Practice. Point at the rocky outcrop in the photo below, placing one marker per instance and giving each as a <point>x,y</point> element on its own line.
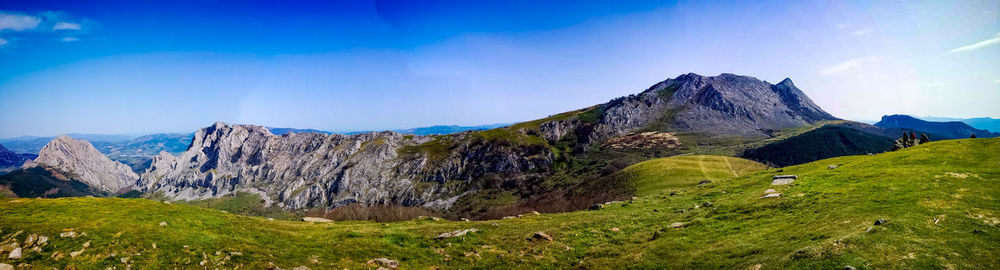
<point>79,160</point>
<point>306,170</point>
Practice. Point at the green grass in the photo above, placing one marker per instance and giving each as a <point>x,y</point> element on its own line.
<point>821,221</point>
<point>663,174</point>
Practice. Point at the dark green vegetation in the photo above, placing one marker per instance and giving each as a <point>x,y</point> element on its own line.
<point>39,182</point>
<point>939,201</point>
<point>821,143</point>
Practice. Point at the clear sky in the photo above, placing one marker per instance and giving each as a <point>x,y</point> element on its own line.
<point>133,67</point>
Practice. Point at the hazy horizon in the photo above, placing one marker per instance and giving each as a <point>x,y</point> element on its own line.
<point>141,68</point>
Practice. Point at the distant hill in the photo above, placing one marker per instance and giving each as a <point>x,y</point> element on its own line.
<point>10,160</point>
<point>821,143</point>
<point>979,122</point>
<point>950,130</point>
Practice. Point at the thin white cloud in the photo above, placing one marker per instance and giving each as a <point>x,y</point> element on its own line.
<point>69,39</point>
<point>861,32</point>
<point>66,26</point>
<point>3,42</point>
<point>18,22</point>
<point>848,67</point>
<point>993,41</point>
<point>842,26</point>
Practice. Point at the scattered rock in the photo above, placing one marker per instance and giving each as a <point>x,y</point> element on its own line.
<point>30,240</point>
<point>542,236</point>
<point>677,225</point>
<point>880,222</point>
<point>456,233</point>
<point>384,262</point>
<point>154,245</point>
<point>270,219</point>
<point>9,247</point>
<point>316,219</point>
<point>494,224</point>
<point>772,195</point>
<point>596,207</point>
<point>783,179</point>
<point>535,213</point>
<point>4,266</point>
<point>508,217</point>
<point>707,204</point>
<point>163,223</point>
<point>15,254</point>
<point>76,253</point>
<point>302,267</point>
<point>704,182</point>
<point>42,240</point>
<point>770,191</point>
<point>465,219</point>
<point>615,229</point>
<point>70,234</point>
<point>831,167</point>
<point>870,228</point>
<point>848,267</point>
<point>86,245</point>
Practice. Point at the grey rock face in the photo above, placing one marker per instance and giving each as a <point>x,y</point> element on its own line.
<point>84,163</point>
<point>305,170</point>
<point>724,105</point>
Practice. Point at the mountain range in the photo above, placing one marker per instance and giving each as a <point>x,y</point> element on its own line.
<point>561,162</point>
<point>986,123</point>
<point>950,130</point>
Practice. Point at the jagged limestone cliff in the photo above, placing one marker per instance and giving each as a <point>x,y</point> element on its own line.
<point>79,160</point>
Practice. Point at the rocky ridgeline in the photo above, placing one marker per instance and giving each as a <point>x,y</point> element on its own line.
<point>79,160</point>
<point>304,170</point>
<point>307,170</point>
<point>724,105</point>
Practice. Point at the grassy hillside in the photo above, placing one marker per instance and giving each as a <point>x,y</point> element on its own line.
<point>658,175</point>
<point>940,201</point>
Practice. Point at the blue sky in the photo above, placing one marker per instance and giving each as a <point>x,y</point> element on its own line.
<point>133,67</point>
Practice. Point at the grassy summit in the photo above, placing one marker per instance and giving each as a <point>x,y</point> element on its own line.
<point>940,201</point>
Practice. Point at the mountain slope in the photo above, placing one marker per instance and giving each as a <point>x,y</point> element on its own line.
<point>951,130</point>
<point>986,123</point>
<point>936,199</point>
<point>821,143</point>
<point>79,160</point>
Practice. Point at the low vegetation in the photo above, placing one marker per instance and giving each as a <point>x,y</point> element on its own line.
<point>929,206</point>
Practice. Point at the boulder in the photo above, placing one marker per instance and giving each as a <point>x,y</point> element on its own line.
<point>316,219</point>
<point>456,233</point>
<point>4,266</point>
<point>541,236</point>
<point>30,240</point>
<point>42,240</point>
<point>783,179</point>
<point>677,225</point>
<point>15,254</point>
<point>384,262</point>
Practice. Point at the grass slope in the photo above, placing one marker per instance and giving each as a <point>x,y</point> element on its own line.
<point>821,221</point>
<point>658,175</point>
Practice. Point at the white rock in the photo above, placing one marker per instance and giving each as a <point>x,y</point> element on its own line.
<point>14,255</point>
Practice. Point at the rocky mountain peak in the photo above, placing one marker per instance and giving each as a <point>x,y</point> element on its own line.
<point>81,161</point>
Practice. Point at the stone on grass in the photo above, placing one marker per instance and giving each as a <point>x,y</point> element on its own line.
<point>615,229</point>
<point>86,245</point>
<point>4,266</point>
<point>770,191</point>
<point>163,223</point>
<point>772,195</point>
<point>596,207</point>
<point>704,182</point>
<point>384,262</point>
<point>76,253</point>
<point>880,222</point>
<point>42,240</point>
<point>848,267</point>
<point>677,225</point>
<point>70,234</point>
<point>831,167</point>
<point>15,254</point>
<point>456,233</point>
<point>302,267</point>
<point>541,236</point>
<point>30,240</point>
<point>783,180</point>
